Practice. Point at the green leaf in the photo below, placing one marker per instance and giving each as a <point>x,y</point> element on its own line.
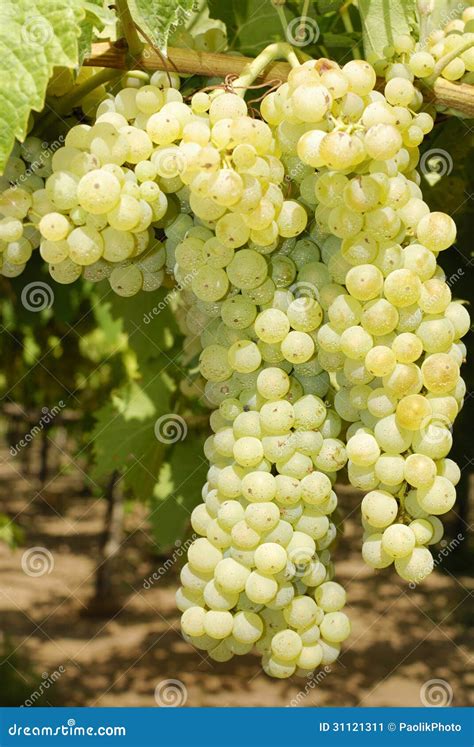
<point>382,21</point>
<point>347,40</point>
<point>251,24</point>
<point>178,490</point>
<point>441,12</point>
<point>35,36</point>
<point>97,16</point>
<point>159,18</point>
<point>328,6</point>
<point>10,533</point>
<point>148,320</point>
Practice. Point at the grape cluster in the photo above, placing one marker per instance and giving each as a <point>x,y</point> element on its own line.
<point>391,335</point>
<point>407,59</point>
<point>102,202</point>
<point>260,573</point>
<point>20,183</point>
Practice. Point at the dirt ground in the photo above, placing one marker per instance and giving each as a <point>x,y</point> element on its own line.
<point>401,640</point>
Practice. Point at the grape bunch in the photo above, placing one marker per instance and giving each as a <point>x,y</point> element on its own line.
<point>22,179</point>
<point>260,573</point>
<point>391,337</point>
<point>407,59</point>
<point>100,206</point>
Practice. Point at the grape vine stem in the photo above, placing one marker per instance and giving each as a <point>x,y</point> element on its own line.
<point>450,56</point>
<point>68,102</point>
<point>458,96</point>
<point>135,45</point>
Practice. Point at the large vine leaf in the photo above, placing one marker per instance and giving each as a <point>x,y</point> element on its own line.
<point>159,18</point>
<point>251,24</point>
<point>382,21</point>
<point>35,36</point>
<point>441,12</point>
<point>148,319</point>
<point>178,490</point>
<point>96,18</point>
<point>124,436</point>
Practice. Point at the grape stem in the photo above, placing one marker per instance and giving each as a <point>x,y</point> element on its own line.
<point>278,5</point>
<point>68,102</point>
<point>424,10</point>
<point>346,19</point>
<point>449,57</point>
<point>135,45</point>
<point>255,67</point>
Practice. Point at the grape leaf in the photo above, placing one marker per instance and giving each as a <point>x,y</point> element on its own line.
<point>124,435</point>
<point>251,24</point>
<point>348,39</point>
<point>97,17</point>
<point>441,12</point>
<point>178,490</point>
<point>148,320</point>
<point>35,35</point>
<point>328,6</point>
<point>159,18</point>
<point>382,21</point>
